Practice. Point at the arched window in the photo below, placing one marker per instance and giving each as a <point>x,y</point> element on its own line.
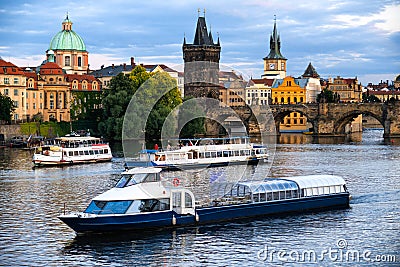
<point>67,61</point>
<point>301,99</point>
<point>84,85</point>
<point>79,61</point>
<point>282,100</point>
<point>276,100</point>
<point>288,100</point>
<point>295,100</point>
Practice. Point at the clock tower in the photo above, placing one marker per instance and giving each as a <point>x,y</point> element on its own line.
<point>274,63</point>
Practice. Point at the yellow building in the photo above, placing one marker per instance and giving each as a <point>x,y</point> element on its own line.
<point>290,91</point>
<point>13,85</point>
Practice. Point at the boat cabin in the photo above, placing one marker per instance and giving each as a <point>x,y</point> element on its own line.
<point>281,189</point>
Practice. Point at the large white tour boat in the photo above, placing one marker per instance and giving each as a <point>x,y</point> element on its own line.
<point>143,199</point>
<point>204,152</point>
<point>72,149</point>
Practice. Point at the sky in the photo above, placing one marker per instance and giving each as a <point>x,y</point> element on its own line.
<point>340,38</point>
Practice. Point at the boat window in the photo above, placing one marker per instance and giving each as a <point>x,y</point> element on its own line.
<point>275,195</point>
<point>188,200</point>
<point>148,205</point>
<point>219,154</point>
<point>256,198</point>
<point>176,201</point>
<point>105,151</point>
<point>237,153</point>
<point>262,197</point>
<point>65,153</point>
<point>91,152</point>
<point>269,196</point>
<point>151,177</point>
<point>70,153</point>
<point>123,181</point>
<point>108,207</point>
<point>226,153</point>
<point>96,152</point>
<point>213,154</point>
<point>80,152</point>
<point>282,195</point>
<point>76,153</point>
<point>86,152</point>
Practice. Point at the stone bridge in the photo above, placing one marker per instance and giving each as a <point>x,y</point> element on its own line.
<point>328,119</point>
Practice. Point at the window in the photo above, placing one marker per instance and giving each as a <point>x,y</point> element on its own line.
<point>288,100</point>
<point>67,61</point>
<point>6,80</point>
<point>79,62</point>
<point>34,105</point>
<point>282,100</point>
<point>41,95</point>
<point>34,95</point>
<point>6,91</point>
<point>16,80</point>
<point>27,105</point>
<point>41,106</point>
<point>188,200</point>
<point>108,207</point>
<point>15,92</point>
<point>51,103</point>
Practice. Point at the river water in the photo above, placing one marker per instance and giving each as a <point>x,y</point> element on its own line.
<point>366,234</point>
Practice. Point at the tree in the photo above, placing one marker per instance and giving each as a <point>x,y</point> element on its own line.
<point>327,96</point>
<point>114,102</point>
<point>6,108</point>
<point>191,120</point>
<point>367,98</point>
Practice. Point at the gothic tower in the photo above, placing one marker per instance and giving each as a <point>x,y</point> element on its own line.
<point>201,63</point>
<point>274,63</point>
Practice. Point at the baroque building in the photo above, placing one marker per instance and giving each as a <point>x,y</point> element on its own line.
<point>68,50</point>
<point>201,60</point>
<point>274,62</point>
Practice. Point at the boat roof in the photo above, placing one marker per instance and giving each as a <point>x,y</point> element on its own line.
<point>77,138</point>
<point>138,170</point>
<point>293,183</point>
<point>153,190</point>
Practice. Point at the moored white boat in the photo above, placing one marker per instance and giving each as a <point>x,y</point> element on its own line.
<point>206,152</point>
<point>72,150</point>
<point>142,200</point>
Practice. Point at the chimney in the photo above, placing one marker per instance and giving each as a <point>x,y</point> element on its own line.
<point>124,66</point>
<point>112,66</point>
<point>133,62</point>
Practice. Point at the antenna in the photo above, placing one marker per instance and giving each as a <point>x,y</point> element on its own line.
<point>198,12</point>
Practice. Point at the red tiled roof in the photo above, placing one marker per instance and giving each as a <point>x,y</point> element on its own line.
<point>71,77</point>
<point>264,81</point>
<point>9,68</point>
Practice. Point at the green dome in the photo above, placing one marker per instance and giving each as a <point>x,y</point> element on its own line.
<point>67,39</point>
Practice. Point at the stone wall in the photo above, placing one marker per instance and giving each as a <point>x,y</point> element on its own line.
<point>10,131</point>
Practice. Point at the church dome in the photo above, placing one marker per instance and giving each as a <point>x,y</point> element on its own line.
<point>67,39</point>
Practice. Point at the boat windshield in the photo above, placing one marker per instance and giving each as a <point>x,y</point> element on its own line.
<point>131,179</point>
<point>108,207</point>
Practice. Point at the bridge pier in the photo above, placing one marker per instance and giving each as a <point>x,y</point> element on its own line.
<point>391,115</point>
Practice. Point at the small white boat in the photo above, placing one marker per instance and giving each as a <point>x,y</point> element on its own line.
<point>72,150</point>
<point>206,152</point>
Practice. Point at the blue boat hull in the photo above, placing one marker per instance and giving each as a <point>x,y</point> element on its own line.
<point>204,215</point>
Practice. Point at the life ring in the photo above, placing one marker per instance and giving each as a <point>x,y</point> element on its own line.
<point>176,182</point>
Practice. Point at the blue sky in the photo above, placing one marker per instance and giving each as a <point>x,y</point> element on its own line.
<point>341,38</point>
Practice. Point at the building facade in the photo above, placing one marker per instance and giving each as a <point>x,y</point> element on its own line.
<point>274,62</point>
<point>258,91</point>
<point>348,89</point>
<point>232,89</point>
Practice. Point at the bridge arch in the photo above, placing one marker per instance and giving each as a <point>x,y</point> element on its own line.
<point>346,118</point>
<point>281,114</point>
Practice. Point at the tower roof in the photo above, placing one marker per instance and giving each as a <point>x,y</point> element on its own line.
<point>202,36</point>
<point>275,45</point>
<point>67,39</point>
<point>310,72</point>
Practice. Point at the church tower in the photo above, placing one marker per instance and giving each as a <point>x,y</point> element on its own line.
<point>201,63</point>
<point>274,63</point>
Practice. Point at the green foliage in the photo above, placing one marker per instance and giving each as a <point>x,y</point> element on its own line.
<point>367,98</point>
<point>46,129</point>
<point>191,120</point>
<point>327,96</point>
<point>6,108</point>
<point>86,106</point>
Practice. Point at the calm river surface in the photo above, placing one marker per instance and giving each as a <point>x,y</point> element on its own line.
<point>369,232</point>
